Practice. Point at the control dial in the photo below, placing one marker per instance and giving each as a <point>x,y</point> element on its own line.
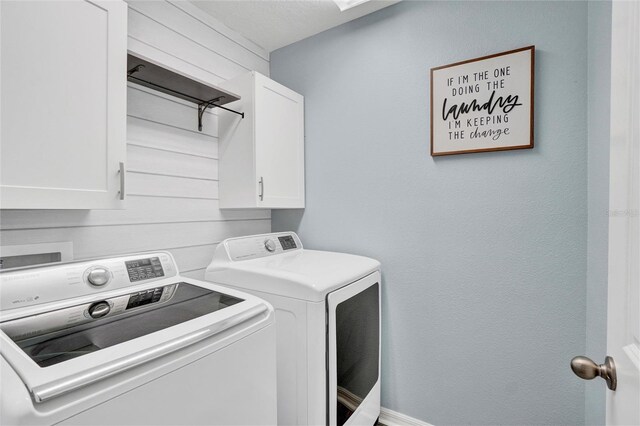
<point>98,276</point>
<point>270,245</point>
<point>99,309</point>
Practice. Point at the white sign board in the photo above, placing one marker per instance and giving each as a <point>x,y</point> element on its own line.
<point>483,104</point>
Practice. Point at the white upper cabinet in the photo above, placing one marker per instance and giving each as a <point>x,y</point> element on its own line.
<point>262,154</point>
<point>63,111</point>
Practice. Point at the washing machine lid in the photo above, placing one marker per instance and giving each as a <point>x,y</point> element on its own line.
<point>48,339</point>
<point>60,346</point>
<point>294,272</point>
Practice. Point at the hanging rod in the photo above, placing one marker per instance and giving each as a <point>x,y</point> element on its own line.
<point>167,77</point>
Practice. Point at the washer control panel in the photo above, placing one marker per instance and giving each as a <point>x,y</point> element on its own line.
<point>38,285</point>
<point>256,246</point>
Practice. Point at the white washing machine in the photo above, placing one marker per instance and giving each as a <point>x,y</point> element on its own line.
<point>128,341</point>
<point>328,324</point>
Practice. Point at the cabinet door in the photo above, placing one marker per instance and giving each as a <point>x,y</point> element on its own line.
<point>279,145</point>
<point>63,108</point>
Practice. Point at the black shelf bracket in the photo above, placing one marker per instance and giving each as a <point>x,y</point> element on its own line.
<point>202,107</point>
<point>170,77</point>
<point>134,70</point>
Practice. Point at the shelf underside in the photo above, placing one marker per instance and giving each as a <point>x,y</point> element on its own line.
<point>174,84</point>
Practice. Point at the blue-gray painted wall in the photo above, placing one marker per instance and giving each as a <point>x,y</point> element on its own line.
<point>484,255</point>
<point>599,76</point>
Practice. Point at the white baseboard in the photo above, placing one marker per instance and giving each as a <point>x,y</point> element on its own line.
<point>393,418</point>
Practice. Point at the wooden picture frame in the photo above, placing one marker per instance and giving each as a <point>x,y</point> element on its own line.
<point>483,104</point>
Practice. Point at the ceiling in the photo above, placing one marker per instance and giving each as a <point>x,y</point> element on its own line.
<point>273,24</point>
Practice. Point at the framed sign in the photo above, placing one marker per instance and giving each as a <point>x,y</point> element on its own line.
<point>483,104</point>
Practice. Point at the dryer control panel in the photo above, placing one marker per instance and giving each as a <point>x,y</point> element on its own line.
<point>256,246</point>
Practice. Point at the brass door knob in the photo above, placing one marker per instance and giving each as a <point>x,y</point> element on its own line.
<point>587,369</point>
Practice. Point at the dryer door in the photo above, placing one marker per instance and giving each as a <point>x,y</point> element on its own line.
<point>353,352</point>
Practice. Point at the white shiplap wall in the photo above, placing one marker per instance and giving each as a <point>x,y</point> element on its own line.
<point>172,169</point>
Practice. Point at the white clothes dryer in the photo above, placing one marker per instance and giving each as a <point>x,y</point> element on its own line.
<point>327,319</point>
<point>128,341</point>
